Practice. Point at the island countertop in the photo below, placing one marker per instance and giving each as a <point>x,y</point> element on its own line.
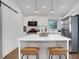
<point>37,38</point>
<point>50,37</point>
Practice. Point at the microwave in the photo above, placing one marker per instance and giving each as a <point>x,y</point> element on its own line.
<point>32,23</point>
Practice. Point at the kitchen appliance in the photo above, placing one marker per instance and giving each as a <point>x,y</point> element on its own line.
<point>32,23</point>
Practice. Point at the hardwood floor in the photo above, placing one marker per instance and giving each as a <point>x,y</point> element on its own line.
<point>14,55</point>
<point>74,56</point>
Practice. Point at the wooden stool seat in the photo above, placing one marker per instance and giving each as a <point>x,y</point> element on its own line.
<point>30,51</point>
<point>57,51</point>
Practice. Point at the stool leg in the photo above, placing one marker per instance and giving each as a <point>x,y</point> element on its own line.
<point>59,56</point>
<point>22,57</point>
<point>49,56</point>
<point>27,56</point>
<point>37,56</point>
<point>65,56</point>
<point>52,56</point>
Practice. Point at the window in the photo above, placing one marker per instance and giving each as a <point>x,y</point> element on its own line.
<point>52,24</point>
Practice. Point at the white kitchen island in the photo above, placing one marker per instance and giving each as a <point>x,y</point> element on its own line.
<point>50,38</point>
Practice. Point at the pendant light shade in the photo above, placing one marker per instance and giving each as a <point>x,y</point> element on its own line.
<point>36,11</point>
<point>51,8</point>
<point>51,11</point>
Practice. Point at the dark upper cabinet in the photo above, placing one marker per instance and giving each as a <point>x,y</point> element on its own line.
<point>65,29</point>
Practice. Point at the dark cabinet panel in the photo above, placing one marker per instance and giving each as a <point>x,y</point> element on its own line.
<point>74,27</point>
<point>65,29</point>
<point>75,33</point>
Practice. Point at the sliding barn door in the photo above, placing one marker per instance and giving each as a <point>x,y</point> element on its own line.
<point>0,31</point>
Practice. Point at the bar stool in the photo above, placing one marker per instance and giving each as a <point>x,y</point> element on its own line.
<point>57,51</point>
<point>30,51</point>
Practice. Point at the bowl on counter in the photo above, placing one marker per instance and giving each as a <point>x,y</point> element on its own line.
<point>43,34</point>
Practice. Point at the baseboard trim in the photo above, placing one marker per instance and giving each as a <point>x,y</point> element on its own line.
<point>73,52</point>
<point>10,53</point>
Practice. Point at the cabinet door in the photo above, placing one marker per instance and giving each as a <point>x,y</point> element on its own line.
<point>74,40</point>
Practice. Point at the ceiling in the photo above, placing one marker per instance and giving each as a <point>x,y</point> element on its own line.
<point>56,5</point>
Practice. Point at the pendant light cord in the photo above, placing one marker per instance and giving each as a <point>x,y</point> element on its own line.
<point>36,8</point>
<point>51,4</point>
<point>51,8</point>
<point>36,4</point>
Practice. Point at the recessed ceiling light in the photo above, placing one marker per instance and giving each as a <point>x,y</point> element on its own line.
<point>61,7</point>
<point>44,6</point>
<point>27,6</point>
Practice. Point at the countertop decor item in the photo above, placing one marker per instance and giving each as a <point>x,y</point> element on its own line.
<point>24,28</point>
<point>44,34</point>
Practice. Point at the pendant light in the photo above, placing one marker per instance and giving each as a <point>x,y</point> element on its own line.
<point>36,9</point>
<point>51,8</point>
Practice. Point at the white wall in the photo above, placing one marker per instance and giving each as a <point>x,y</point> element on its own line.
<point>11,27</point>
<point>74,10</point>
<point>42,21</point>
